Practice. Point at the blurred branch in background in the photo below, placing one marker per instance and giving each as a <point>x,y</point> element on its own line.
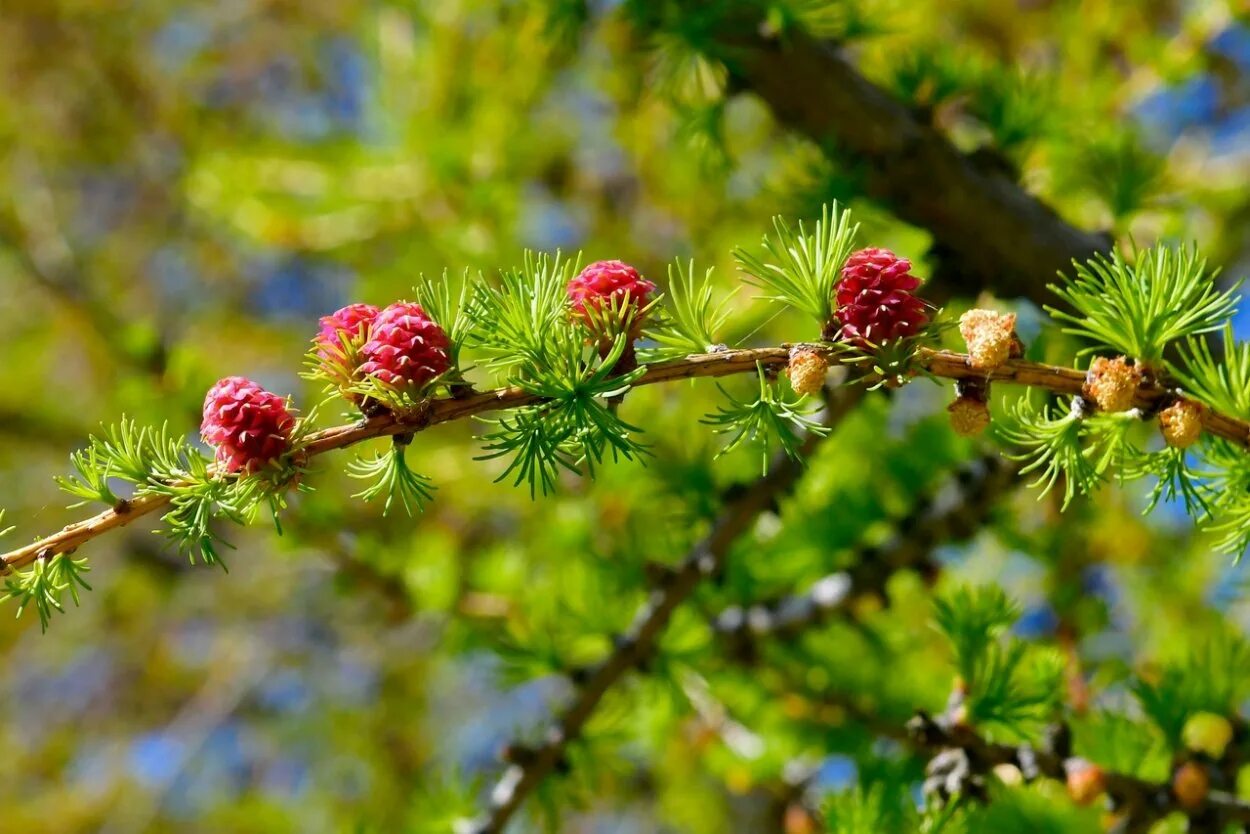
<point>956,511</point>
<point>634,649</point>
<point>188,186</point>
<point>988,231</point>
<point>241,666</point>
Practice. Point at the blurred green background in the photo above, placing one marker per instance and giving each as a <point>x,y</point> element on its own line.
<point>185,187</point>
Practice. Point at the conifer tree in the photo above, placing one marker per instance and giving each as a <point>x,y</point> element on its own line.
<point>907,493</point>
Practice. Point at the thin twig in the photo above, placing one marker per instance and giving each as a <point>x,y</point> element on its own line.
<point>531,765</point>
<point>940,364</point>
<point>1144,801</point>
<point>632,649</point>
<point>951,514</point>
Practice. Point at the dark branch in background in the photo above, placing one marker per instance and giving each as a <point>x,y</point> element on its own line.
<point>970,755</point>
<point>531,765</point>
<point>963,759</point>
<point>952,514</point>
<point>46,429</point>
<point>992,233</point>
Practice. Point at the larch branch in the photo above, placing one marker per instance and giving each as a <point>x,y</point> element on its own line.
<point>981,218</point>
<point>936,363</point>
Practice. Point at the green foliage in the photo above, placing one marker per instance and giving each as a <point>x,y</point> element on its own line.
<point>194,507</point>
<point>1082,451</point>
<point>1118,168</point>
<point>1226,491</point>
<point>174,174</point>
<point>801,270</point>
<point>530,336</point>
<point>574,426</point>
<point>43,584</point>
<point>769,420</point>
<point>1054,447</point>
<point>1221,382</point>
<point>517,320</point>
<point>391,479</point>
<point>837,20</point>
<point>683,71</point>
<point>888,809</point>
<point>927,77</point>
<point>871,811</point>
<point>972,619</point>
<point>155,462</point>
<point>891,364</point>
<point>1213,677</point>
<point>1120,744</point>
<point>1014,107</point>
<point>1037,809</point>
<point>1174,478</point>
<point>537,449</point>
<point>690,319</point>
<point>1004,683</point>
<point>140,455</point>
<point>450,309</point>
<point>1140,308</point>
<point>579,382</point>
<point>441,803</point>
<point>1217,496</point>
<point>1016,687</point>
<point>202,498</point>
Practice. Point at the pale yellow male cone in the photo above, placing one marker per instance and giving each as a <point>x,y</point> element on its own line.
<point>969,416</point>
<point>1112,383</point>
<point>807,371</point>
<point>990,337</point>
<point>1181,424</point>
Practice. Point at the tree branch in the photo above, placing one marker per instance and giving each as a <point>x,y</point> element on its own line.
<point>961,753</point>
<point>936,363</point>
<point>1144,801</point>
<point>638,644</point>
<point>1000,235</point>
<point>979,485</point>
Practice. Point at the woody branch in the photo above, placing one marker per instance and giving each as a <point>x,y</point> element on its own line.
<point>937,363</point>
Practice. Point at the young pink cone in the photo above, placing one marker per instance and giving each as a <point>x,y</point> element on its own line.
<point>604,283</point>
<point>246,425</point>
<point>351,323</point>
<point>406,348</point>
<point>343,333</point>
<point>875,300</point>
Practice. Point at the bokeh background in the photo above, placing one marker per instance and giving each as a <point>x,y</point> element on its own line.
<point>185,187</point>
